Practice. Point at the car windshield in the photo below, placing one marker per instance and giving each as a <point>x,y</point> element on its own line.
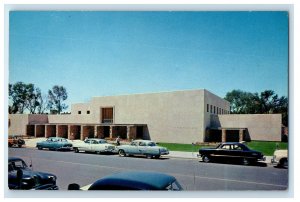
<point>151,144</point>
<point>15,165</point>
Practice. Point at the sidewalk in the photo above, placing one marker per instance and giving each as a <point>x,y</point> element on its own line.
<point>30,143</point>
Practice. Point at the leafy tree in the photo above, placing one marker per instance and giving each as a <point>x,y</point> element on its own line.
<point>56,96</point>
<point>43,100</point>
<point>32,102</point>
<point>267,102</point>
<point>19,94</point>
<point>23,97</point>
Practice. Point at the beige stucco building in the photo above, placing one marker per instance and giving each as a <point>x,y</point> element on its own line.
<point>177,117</point>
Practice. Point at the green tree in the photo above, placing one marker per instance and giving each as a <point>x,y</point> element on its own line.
<point>23,97</point>
<point>56,97</point>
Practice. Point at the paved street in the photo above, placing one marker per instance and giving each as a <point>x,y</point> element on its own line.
<point>85,168</point>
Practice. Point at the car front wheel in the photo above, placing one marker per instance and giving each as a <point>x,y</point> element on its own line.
<point>246,161</point>
<point>76,150</point>
<point>39,148</point>
<point>283,163</point>
<point>205,158</point>
<point>122,153</point>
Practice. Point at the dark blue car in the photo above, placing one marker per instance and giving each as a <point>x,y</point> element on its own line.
<point>136,180</point>
<point>20,176</point>
<point>231,152</point>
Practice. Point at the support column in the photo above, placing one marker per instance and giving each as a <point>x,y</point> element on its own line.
<point>81,132</point>
<point>110,132</point>
<point>69,132</point>
<point>241,133</point>
<point>56,134</point>
<point>95,132</point>
<point>35,131</point>
<point>223,135</point>
<point>128,133</point>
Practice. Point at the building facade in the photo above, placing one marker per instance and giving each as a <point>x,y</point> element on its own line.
<point>175,117</point>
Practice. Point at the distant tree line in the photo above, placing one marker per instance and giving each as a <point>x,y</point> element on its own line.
<point>27,98</point>
<point>266,102</point>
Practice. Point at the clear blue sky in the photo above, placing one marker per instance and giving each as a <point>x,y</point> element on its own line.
<point>115,53</point>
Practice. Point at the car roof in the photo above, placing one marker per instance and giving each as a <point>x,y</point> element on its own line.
<point>95,139</point>
<point>143,141</point>
<point>15,159</point>
<point>57,137</point>
<point>135,180</point>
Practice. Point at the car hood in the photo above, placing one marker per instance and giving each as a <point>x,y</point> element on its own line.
<point>27,173</point>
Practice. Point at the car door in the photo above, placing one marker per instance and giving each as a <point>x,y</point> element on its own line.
<point>237,152</point>
<point>142,148</point>
<point>133,148</point>
<point>47,143</point>
<point>87,145</point>
<point>96,146</point>
<point>223,152</point>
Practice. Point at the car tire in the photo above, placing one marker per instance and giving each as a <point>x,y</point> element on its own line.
<point>10,145</point>
<point>283,163</point>
<point>205,158</point>
<point>122,153</point>
<point>149,156</point>
<point>19,145</point>
<point>246,161</point>
<point>76,150</point>
<point>157,156</point>
<point>39,148</point>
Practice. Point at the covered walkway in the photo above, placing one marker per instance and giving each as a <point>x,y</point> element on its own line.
<point>82,131</point>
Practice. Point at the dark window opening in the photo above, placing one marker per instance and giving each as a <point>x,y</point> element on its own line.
<point>79,112</point>
<point>107,115</point>
<point>207,109</point>
<point>88,112</point>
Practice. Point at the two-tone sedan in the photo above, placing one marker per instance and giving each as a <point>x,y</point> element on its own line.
<point>20,176</point>
<point>142,147</point>
<point>232,152</point>
<point>54,143</point>
<point>94,145</point>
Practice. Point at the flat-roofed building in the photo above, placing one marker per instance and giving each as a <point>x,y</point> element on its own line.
<point>177,117</point>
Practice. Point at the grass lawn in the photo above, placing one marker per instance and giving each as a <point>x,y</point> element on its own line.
<point>267,148</point>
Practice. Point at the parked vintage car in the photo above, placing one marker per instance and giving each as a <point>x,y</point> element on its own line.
<point>280,157</point>
<point>94,145</point>
<point>142,147</point>
<point>54,143</point>
<point>22,177</point>
<point>14,141</point>
<point>231,151</point>
<point>133,180</point>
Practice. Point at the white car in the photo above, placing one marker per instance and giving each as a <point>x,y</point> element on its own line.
<point>142,147</point>
<point>94,145</point>
<point>280,158</point>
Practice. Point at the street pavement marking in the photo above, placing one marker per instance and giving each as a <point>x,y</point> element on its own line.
<point>176,174</point>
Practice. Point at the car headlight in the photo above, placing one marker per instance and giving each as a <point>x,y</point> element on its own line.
<point>52,178</point>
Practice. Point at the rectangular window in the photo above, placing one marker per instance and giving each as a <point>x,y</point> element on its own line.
<point>207,109</point>
<point>88,112</point>
<point>217,110</point>
<point>210,108</point>
<point>79,112</point>
<point>214,109</point>
<point>222,111</point>
<point>107,115</point>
